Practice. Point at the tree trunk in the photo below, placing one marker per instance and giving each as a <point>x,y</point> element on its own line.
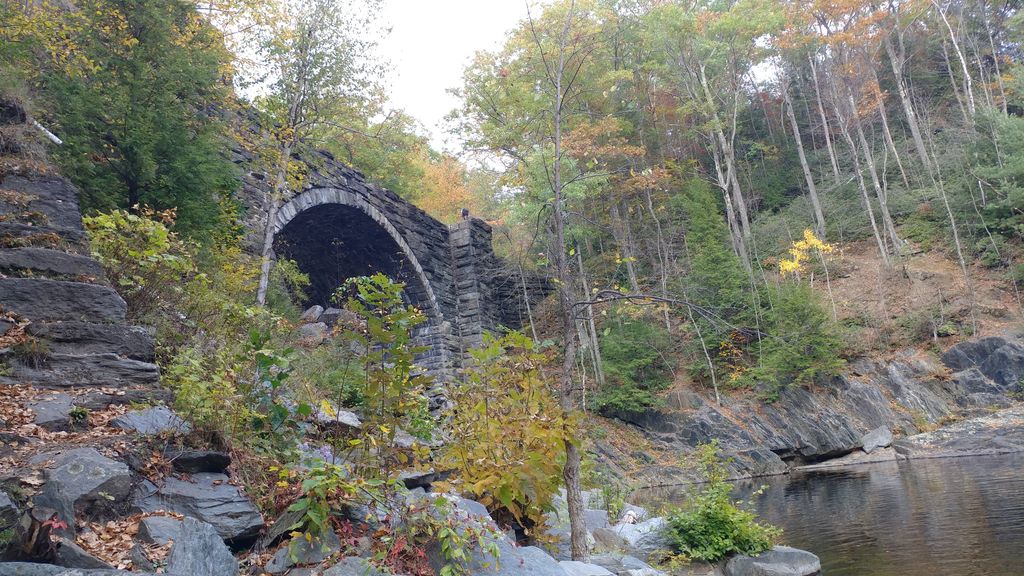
<point>880,192</point>
<point>886,133</point>
<point>621,230</point>
<point>595,346</point>
<point>276,197</point>
<point>729,159</point>
<point>819,216</point>
<point>968,82</point>
<point>897,60</point>
<point>567,396</point>
<point>824,122</point>
<point>735,234</point>
<point>863,186</point>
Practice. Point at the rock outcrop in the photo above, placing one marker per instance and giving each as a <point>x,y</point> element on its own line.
<point>859,411</point>
<point>72,452</point>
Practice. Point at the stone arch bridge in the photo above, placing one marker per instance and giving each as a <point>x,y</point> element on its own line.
<point>340,226</point>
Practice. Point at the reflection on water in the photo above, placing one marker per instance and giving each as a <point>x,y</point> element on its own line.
<point>959,516</point>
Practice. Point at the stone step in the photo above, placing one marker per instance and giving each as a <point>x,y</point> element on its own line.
<point>16,235</point>
<point>43,300</point>
<point>40,201</point>
<point>75,337</point>
<point>71,370</point>
<point>48,263</point>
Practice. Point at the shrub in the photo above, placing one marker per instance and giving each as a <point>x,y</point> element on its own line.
<point>391,387</point>
<point>508,432</point>
<point>802,344</point>
<point>710,526</point>
<point>145,261</point>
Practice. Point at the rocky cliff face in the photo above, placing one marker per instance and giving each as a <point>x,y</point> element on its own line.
<point>909,393</point>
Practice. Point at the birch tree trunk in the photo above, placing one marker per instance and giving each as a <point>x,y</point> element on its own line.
<point>276,197</point>
<point>897,60</point>
<point>968,82</point>
<point>819,216</point>
<point>824,122</point>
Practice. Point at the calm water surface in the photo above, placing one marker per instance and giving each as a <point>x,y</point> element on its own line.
<point>944,517</point>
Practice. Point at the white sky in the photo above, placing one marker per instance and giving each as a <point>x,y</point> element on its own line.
<point>431,41</point>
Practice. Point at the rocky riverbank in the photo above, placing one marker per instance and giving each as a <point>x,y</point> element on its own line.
<point>874,404</point>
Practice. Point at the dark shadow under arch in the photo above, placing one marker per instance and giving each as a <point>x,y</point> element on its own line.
<point>334,242</point>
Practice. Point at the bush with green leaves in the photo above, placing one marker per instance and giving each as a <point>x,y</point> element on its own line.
<point>711,525</point>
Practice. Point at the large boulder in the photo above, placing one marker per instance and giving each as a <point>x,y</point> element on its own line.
<point>312,314</point>
<point>85,482</point>
<point>207,497</point>
<point>200,552</point>
<point>151,421</point>
<point>779,561</point>
<point>312,335</point>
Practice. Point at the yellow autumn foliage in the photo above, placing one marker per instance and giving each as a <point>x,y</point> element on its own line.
<point>800,252</point>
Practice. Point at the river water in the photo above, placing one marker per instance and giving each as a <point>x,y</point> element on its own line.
<point>941,517</point>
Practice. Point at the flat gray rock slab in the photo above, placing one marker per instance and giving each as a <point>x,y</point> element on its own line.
<point>45,261</point>
<point>159,529</point>
<point>75,337</point>
<point>623,565</point>
<point>353,566</point>
<point>54,197</point>
<point>200,551</point>
<point>779,561</point>
<point>53,412</point>
<point>207,497</point>
<point>71,555</point>
<point>67,370</point>
<point>42,300</point>
<point>574,568</point>
<point>151,421</point>
<point>1001,432</point>
<point>28,569</point>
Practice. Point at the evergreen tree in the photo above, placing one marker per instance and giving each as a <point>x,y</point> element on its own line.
<point>139,127</point>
